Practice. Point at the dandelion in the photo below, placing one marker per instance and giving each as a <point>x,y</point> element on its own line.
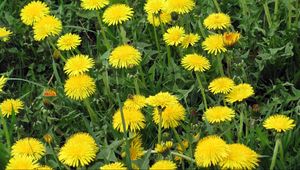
<point>239,93</point>
<point>279,123</point>
<point>80,87</point>
<point>3,80</point>
<point>170,115</point>
<point>21,162</point>
<point>136,149</point>
<point>79,150</point>
<point>134,120</point>
<point>179,6</point>
<point>125,56</point>
<point>190,40</point>
<point>117,14</point>
<point>210,151</point>
<point>9,106</point>
<point>217,21</point>
<point>164,18</point>
<point>29,147</point>
<point>46,26</point>
<point>93,4</point>
<point>68,41</point>
<point>33,12</point>
<point>240,157</point>
<point>44,167</point>
<point>214,44</point>
<point>154,6</point>
<point>160,148</point>
<point>135,102</point>
<point>49,93</point>
<point>230,38</point>
<point>219,114</point>
<point>195,62</point>
<point>162,99</point>
<point>4,34</point>
<point>163,164</point>
<point>78,65</point>
<point>221,85</point>
<point>48,138</point>
<point>174,35</point>
<point>113,166</point>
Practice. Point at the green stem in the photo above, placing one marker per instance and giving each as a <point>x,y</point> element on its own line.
<point>217,5</point>
<point>159,125</point>
<point>275,152</point>
<point>54,48</point>
<point>167,46</point>
<point>201,29</point>
<point>7,136</point>
<point>106,43</point>
<point>183,156</point>
<point>28,81</point>
<point>220,65</point>
<point>127,147</point>
<point>281,154</point>
<point>106,82</point>
<point>91,112</point>
<point>202,90</point>
<point>142,76</point>
<point>240,134</point>
<point>276,7</point>
<point>267,13</point>
<point>136,85</point>
<point>155,36</point>
<point>178,138</point>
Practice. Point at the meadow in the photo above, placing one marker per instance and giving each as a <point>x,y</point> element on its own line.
<point>149,84</point>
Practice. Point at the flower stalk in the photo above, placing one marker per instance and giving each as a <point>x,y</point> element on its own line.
<point>202,90</point>
<point>275,152</point>
<point>5,129</point>
<point>92,113</point>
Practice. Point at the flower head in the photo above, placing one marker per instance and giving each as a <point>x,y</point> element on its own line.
<point>113,166</point>
<point>3,80</point>
<point>135,102</point>
<point>217,21</point>
<point>179,6</point>
<point>46,26</point>
<point>78,64</point>
<point>154,6</point>
<point>163,165</point>
<point>190,40</point>
<point>4,34</point>
<point>195,62</point>
<point>80,87</point>
<point>79,150</point>
<point>164,18</point>
<point>219,114</point>
<point>117,14</point>
<point>44,167</point>
<point>239,93</point>
<point>279,123</point>
<point>49,93</point>
<point>21,162</point>
<point>136,150</point>
<point>9,106</point>
<point>214,44</point>
<point>174,35</point>
<point>29,147</point>
<point>33,12</point>
<point>124,56</point>
<point>221,85</point>
<point>210,151</point>
<point>170,115</point>
<point>162,99</point>
<point>134,120</point>
<point>230,38</point>
<point>240,157</point>
<point>93,4</point>
<point>68,41</point>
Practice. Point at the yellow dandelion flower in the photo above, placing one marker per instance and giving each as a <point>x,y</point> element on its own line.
<point>160,148</point>
<point>154,6</point>
<point>44,167</point>
<point>279,123</point>
<point>162,99</point>
<point>171,115</point>
<point>217,21</point>
<point>221,85</point>
<point>163,164</point>
<point>48,138</point>
<point>78,64</point>
<point>239,93</point>
<point>113,166</point>
<point>240,157</point>
<point>181,147</point>
<point>195,62</point>
<point>9,106</point>
<point>80,87</point>
<point>93,4</point>
<point>136,149</point>
<point>46,26</point>
<point>174,35</point>
<point>134,120</point>
<point>164,18</point>
<point>68,41</point>
<point>125,56</point>
<point>79,150</point>
<point>230,38</point>
<point>4,34</point>
<point>117,14</point>
<point>210,151</point>
<point>189,40</point>
<point>169,144</point>
<point>219,114</point>
<point>33,12</point>
<point>179,6</point>
<point>29,147</point>
<point>214,44</point>
<point>21,162</point>
<point>3,80</point>
<point>135,102</point>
